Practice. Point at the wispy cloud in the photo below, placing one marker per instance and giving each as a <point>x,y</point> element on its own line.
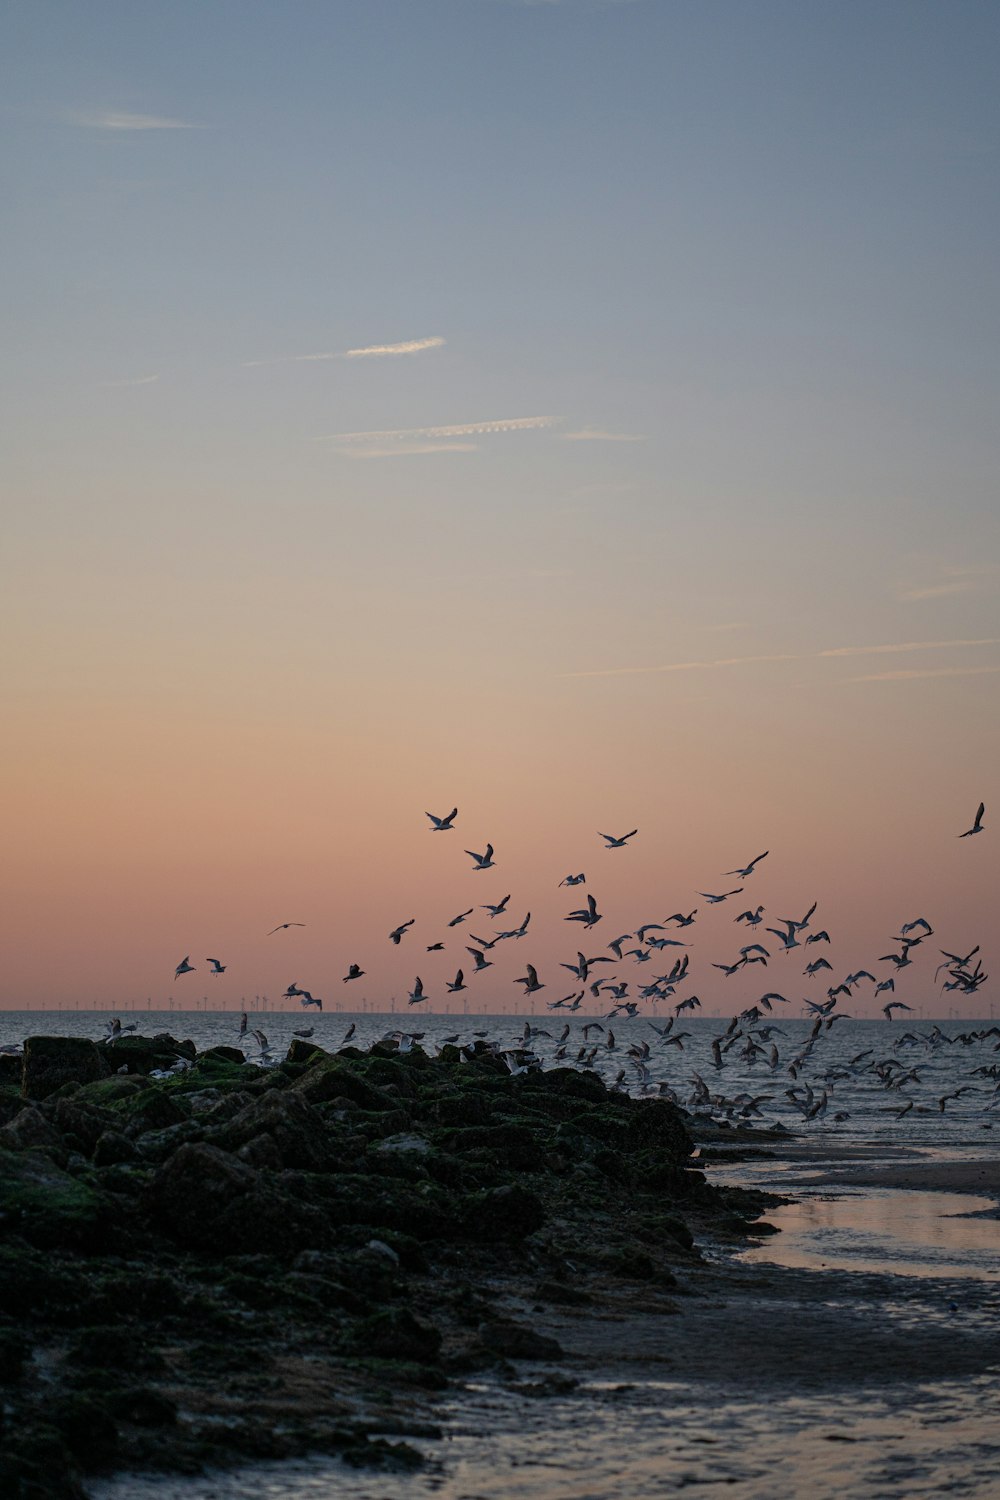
<point>912,674</point>
<point>384,436</point>
<point>412,346</point>
<point>685,666</point>
<point>138,380</point>
<point>599,435</point>
<point>401,450</point>
<point>831,652</point>
<point>937,590</point>
<point>951,579</point>
<point>121,120</point>
<point>907,646</point>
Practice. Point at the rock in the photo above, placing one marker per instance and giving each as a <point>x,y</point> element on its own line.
<point>86,1426</point>
<point>11,1104</point>
<point>509,1340</point>
<point>14,1351</point>
<point>568,1082</point>
<point>84,1122</point>
<point>110,1092</point>
<point>155,1146</point>
<point>261,1153</point>
<point>458,1109</point>
<point>383,1252</point>
<point>515,1146</point>
<point>11,1069</point>
<point>394,1333</point>
<point>31,1285</point>
<point>153,1109</point>
<point>112,1147</point>
<point>51,1061</point>
<point>289,1122</point>
<point>223,1054</point>
<point>30,1131</point>
<point>511,1212</point>
<point>47,1206</point>
<point>562,1293</point>
<point>108,1347</point>
<point>338,1080</point>
<point>208,1200</point>
<point>301,1051</point>
<point>146,1408</point>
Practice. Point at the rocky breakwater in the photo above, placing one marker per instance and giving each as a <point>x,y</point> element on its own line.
<point>233,1263</point>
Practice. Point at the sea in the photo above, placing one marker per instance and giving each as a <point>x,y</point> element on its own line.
<point>894,1091</point>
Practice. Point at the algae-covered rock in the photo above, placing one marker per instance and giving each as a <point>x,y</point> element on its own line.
<point>289,1122</point>
<point>112,1093</point>
<point>335,1080</point>
<point>569,1082</point>
<point>82,1122</point>
<point>51,1061</point>
<point>111,1148</point>
<point>301,1050</point>
<point>14,1351</point>
<point>208,1200</point>
<point>508,1339</point>
<point>223,1054</point>
<point>47,1206</point>
<point>30,1131</point>
<point>394,1333</point>
<point>86,1426</point>
<point>511,1212</point>
<point>153,1109</point>
<point>11,1069</point>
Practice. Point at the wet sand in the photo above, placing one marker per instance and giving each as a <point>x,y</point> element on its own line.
<point>980,1177</point>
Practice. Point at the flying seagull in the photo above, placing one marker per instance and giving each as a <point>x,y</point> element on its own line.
<point>588,915</point>
<point>748,870</point>
<point>977,826</point>
<point>615,843</point>
<point>417,993</point>
<point>530,981</point>
<point>354,972</point>
<point>499,909</point>
<point>716,899</point>
<point>443,825</point>
<point>457,921</point>
<point>217,968</point>
<point>457,984</point>
<point>184,967</point>
<point>396,935</point>
<point>282,925</point>
<point>482,861</point>
<point>574,880</point>
<point>887,1010</point>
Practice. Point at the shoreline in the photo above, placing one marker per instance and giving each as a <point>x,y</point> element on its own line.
<point>383,1234</point>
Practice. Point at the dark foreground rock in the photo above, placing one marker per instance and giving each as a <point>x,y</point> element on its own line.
<point>229,1263</point>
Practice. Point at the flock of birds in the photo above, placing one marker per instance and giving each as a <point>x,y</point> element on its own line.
<point>750,1036</point>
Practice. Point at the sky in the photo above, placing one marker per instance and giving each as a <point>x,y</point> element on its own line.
<point>581,412</point>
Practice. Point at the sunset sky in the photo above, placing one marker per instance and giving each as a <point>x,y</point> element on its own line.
<point>581,411</point>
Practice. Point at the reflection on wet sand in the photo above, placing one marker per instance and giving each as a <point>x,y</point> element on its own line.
<point>895,1230</point>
